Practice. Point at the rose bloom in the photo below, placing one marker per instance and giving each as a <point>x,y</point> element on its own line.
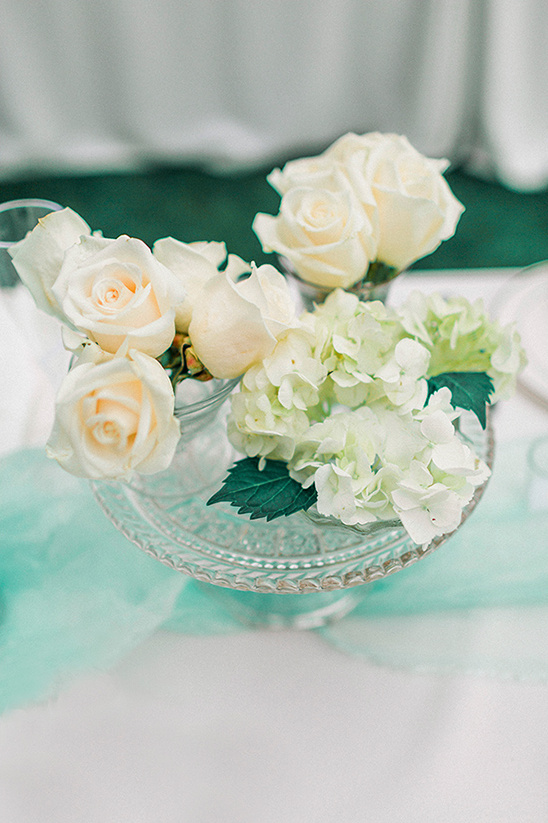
<point>416,208</point>
<point>407,201</point>
<point>237,323</point>
<point>39,256</point>
<point>115,417</point>
<point>324,232</point>
<point>119,295</point>
<point>195,264</point>
<point>311,172</point>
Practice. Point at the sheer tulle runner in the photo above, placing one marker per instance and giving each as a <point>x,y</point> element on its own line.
<point>76,596</point>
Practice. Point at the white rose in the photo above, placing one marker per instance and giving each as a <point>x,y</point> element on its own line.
<point>115,417</point>
<point>194,264</point>
<point>236,324</point>
<point>416,207</point>
<point>119,295</point>
<point>322,170</point>
<point>324,232</point>
<point>315,172</point>
<point>351,143</point>
<point>39,256</point>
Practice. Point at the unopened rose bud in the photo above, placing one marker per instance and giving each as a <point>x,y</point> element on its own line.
<point>193,365</point>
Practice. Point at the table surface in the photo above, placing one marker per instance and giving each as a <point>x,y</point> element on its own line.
<point>270,726</point>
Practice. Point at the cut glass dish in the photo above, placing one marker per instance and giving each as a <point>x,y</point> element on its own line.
<point>166,516</point>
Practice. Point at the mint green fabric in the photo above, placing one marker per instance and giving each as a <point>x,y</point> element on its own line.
<point>76,596</point>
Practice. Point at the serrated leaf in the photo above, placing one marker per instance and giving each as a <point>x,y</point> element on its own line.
<point>270,492</point>
<point>469,390</point>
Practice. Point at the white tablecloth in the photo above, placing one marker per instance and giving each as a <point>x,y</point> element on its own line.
<point>266,727</point>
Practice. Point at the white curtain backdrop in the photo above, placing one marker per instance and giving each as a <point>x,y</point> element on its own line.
<point>233,83</point>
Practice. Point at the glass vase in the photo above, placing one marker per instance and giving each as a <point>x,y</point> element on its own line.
<point>203,453</point>
<point>17,217</point>
<point>291,572</point>
<point>374,286</point>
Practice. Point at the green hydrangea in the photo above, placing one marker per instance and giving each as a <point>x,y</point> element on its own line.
<point>461,337</point>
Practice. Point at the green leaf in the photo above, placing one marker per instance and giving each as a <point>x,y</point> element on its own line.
<point>269,492</point>
<point>469,390</point>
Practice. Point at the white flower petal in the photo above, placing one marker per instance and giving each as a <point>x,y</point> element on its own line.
<point>38,258</point>
<point>235,324</point>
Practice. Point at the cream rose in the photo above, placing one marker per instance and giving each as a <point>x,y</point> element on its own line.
<point>114,418</point>
<point>416,208</point>
<point>236,324</point>
<point>39,256</point>
<point>324,232</point>
<point>195,264</point>
<point>119,295</point>
<point>314,172</point>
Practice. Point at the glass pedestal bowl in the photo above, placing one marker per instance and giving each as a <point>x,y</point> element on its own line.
<point>291,572</point>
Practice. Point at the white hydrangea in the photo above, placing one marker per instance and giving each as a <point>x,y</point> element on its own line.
<point>272,410</point>
<point>342,400</point>
<point>354,340</point>
<point>403,376</point>
<point>427,511</point>
<point>374,463</point>
<point>340,455</point>
<point>403,437</point>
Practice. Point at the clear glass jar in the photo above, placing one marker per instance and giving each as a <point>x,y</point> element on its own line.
<point>17,217</point>
<point>203,453</point>
<point>307,295</point>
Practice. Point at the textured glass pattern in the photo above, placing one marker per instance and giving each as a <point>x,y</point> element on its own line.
<point>166,516</point>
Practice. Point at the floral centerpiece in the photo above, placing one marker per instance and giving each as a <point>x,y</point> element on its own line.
<point>360,213</point>
<point>349,412</point>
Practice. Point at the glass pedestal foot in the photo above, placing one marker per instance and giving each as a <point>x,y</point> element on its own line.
<point>286,611</point>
